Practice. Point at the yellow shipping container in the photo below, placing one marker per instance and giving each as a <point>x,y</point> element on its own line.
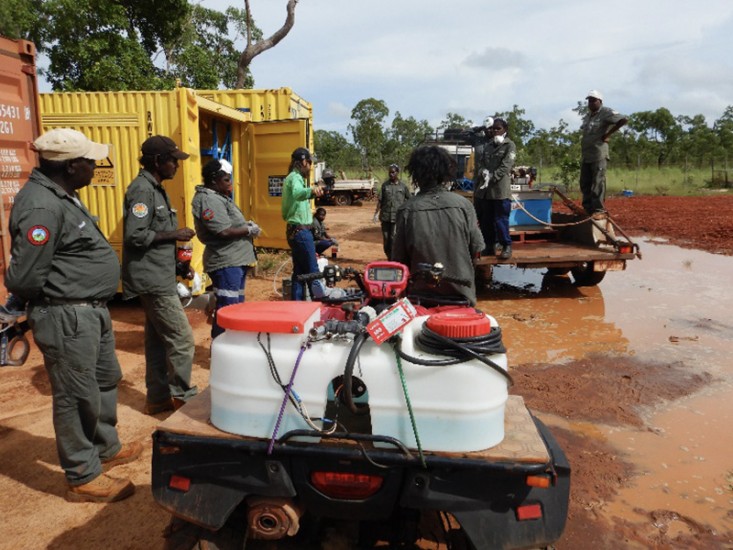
<point>205,128</point>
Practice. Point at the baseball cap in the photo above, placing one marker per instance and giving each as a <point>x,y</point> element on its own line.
<point>162,145</point>
<point>67,144</point>
<point>596,94</point>
<point>301,153</point>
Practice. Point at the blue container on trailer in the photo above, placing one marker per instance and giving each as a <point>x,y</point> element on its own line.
<point>537,203</point>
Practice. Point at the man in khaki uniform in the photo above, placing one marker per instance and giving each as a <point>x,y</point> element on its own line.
<point>392,195</point>
<point>149,271</point>
<point>597,127</point>
<point>64,268</point>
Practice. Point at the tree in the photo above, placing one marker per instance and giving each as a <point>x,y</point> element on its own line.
<point>131,45</point>
<point>368,129</point>
<point>404,135</point>
<point>454,120</point>
<point>255,48</point>
<point>335,150</point>
<point>658,131</point>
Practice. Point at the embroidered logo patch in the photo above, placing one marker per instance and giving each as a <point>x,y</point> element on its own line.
<point>140,210</point>
<point>207,214</point>
<point>38,235</point>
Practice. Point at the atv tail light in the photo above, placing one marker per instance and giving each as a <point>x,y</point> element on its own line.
<point>541,482</point>
<point>529,511</point>
<point>625,249</point>
<point>179,483</point>
<point>345,485</point>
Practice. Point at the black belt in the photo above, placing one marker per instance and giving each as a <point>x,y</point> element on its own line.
<point>293,228</point>
<point>65,302</point>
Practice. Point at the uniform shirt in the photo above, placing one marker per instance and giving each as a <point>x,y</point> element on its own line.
<point>147,267</point>
<point>57,249</point>
<point>391,197</point>
<point>212,214</point>
<point>319,230</point>
<point>594,126</point>
<point>295,207</point>
<point>499,161</point>
<point>439,226</point>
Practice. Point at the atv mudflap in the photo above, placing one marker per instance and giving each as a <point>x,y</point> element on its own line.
<point>485,491</point>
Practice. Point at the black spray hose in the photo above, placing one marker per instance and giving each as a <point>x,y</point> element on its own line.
<point>459,351</point>
<point>348,394</point>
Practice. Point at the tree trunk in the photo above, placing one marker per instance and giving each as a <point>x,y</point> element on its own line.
<point>253,50</point>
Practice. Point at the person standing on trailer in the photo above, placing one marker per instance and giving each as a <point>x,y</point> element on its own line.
<point>228,237</point>
<point>149,272</point>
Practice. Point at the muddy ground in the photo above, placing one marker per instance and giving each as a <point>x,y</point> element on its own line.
<point>603,388</point>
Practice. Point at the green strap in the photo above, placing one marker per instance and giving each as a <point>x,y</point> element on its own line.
<point>409,408</point>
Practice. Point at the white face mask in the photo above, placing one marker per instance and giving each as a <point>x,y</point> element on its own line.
<point>499,139</point>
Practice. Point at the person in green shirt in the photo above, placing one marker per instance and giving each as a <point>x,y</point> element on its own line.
<point>297,213</point>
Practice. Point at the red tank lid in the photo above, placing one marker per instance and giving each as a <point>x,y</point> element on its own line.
<point>460,323</point>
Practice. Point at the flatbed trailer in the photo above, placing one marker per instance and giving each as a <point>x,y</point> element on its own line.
<point>583,246</point>
<point>220,486</point>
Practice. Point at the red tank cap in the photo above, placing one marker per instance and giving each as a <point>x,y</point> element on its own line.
<point>463,322</point>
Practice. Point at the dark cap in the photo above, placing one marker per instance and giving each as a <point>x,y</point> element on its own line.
<point>162,145</point>
<point>301,153</point>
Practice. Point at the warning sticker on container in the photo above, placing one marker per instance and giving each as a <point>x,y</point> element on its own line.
<point>391,321</point>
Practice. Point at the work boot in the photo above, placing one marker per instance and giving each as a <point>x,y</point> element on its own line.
<point>498,249</point>
<point>156,407</point>
<point>101,489</point>
<point>506,252</point>
<point>128,453</point>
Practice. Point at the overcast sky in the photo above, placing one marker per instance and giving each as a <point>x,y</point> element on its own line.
<point>475,57</point>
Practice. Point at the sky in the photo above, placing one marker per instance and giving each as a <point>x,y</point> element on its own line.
<point>477,57</point>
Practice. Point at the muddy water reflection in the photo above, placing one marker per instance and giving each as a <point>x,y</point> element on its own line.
<point>674,306</point>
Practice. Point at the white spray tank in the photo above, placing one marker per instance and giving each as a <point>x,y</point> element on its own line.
<point>456,408</point>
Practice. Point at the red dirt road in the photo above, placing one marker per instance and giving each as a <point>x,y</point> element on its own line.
<point>35,514</point>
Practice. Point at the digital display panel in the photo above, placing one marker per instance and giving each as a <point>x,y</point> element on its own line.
<point>385,274</point>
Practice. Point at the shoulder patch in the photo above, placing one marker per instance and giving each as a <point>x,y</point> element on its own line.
<point>207,214</point>
<point>139,210</point>
<point>38,235</point>
<point>512,155</point>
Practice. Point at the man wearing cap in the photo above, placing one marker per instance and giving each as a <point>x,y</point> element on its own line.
<point>296,211</point>
<point>391,196</point>
<point>597,127</point>
<point>149,272</point>
<point>227,235</point>
<point>64,267</point>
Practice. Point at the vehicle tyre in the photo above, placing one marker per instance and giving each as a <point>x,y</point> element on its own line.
<point>585,276</point>
<point>557,271</point>
<point>342,199</point>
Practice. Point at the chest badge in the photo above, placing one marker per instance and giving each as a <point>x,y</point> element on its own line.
<point>139,210</point>
<point>38,235</point>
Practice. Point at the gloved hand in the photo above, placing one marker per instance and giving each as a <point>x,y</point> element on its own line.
<point>335,242</point>
<point>254,229</point>
<point>484,178</point>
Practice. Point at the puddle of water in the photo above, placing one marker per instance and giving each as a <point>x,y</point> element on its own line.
<point>674,306</point>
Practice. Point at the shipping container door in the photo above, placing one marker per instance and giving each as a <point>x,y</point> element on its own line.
<point>270,147</point>
<point>19,126</point>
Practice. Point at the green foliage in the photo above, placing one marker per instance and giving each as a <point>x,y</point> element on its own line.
<point>111,45</point>
<point>404,135</point>
<point>335,150</point>
<point>368,129</point>
<point>454,120</point>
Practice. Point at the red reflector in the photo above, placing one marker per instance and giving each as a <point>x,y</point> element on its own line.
<point>179,483</point>
<point>529,511</point>
<point>346,485</point>
<point>625,249</point>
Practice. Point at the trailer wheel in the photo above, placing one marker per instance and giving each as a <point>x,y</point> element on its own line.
<point>585,276</point>
<point>342,199</point>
